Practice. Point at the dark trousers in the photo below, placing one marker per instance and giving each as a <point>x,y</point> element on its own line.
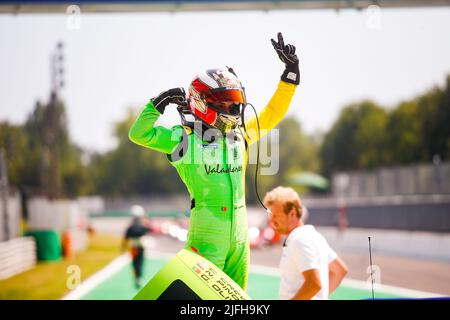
<point>138,261</point>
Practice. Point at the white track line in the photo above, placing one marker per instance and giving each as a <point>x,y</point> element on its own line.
<point>98,278</point>
<point>358,284</point>
<point>108,271</point>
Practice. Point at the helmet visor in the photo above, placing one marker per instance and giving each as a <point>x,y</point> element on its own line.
<point>225,100</point>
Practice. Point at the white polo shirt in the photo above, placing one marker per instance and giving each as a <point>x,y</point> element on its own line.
<point>304,249</point>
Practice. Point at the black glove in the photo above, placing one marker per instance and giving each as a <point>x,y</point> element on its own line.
<point>175,95</point>
<point>287,54</point>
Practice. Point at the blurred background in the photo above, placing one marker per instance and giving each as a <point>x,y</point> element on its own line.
<point>366,141</point>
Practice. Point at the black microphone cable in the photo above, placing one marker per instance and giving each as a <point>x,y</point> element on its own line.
<point>257,151</point>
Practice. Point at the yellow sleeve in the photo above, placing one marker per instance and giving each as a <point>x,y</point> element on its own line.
<point>272,114</point>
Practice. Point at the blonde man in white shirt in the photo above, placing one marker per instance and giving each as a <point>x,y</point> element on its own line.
<point>309,268</point>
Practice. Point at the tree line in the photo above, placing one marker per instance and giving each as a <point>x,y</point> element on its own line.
<point>364,136</point>
<point>367,135</point>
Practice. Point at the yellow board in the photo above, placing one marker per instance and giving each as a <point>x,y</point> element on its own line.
<point>189,276</point>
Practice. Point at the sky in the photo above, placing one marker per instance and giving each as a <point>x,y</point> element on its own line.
<point>117,61</point>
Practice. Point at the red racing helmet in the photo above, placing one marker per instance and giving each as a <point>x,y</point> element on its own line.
<point>216,97</point>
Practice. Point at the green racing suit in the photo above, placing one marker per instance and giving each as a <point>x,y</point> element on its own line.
<point>214,174</point>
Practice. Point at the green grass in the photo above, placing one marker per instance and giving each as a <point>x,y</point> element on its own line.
<point>48,279</point>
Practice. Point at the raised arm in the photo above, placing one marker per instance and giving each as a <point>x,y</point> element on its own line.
<point>272,114</point>
<point>144,133</point>
<point>277,107</point>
